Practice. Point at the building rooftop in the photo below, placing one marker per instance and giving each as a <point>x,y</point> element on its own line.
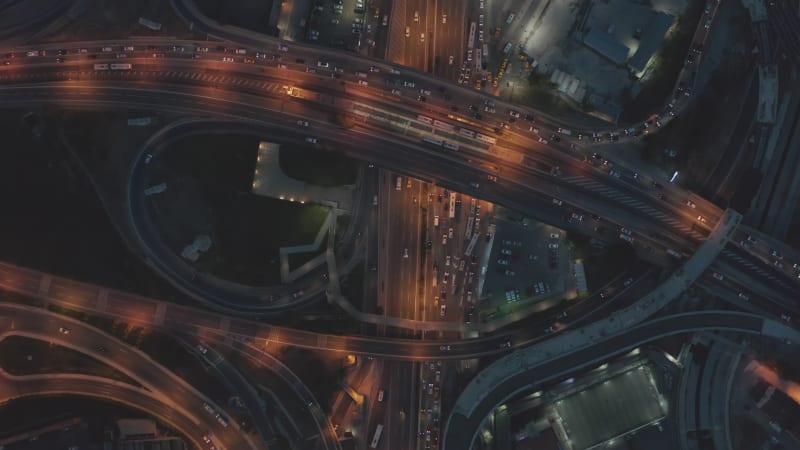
<point>652,37</point>
<point>606,45</point>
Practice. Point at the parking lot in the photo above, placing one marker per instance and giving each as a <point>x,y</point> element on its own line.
<point>346,24</point>
<point>526,264</point>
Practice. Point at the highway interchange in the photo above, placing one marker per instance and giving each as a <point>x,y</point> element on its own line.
<point>245,92</point>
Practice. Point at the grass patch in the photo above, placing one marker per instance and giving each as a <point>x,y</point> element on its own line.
<point>318,168</point>
<point>600,268</point>
<point>298,259</point>
<point>25,356</point>
<point>353,286</point>
<point>213,175</point>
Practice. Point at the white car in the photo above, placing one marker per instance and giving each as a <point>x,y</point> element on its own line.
<point>416,16</point>
<point>63,330</point>
<point>450,60</point>
<point>363,83</point>
<point>227,59</point>
<point>505,251</point>
<point>302,123</point>
<point>450,233</point>
<point>444,18</point>
<point>311,140</point>
<point>554,236</point>
<point>422,37</point>
<point>408,31</point>
<point>502,262</point>
<point>405,253</point>
<point>447,260</point>
<point>552,245</point>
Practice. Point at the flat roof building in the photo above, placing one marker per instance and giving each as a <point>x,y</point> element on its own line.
<point>607,46</point>
<point>651,40</point>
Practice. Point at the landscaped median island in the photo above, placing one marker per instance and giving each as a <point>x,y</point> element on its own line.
<point>21,356</point>
<point>228,208</point>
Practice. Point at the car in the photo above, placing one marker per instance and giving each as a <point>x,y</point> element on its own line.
<point>542,140</point>
<point>626,238</point>
<point>385,20</point>
<point>63,330</point>
<point>405,253</point>
<point>148,158</point>
<point>450,233</point>
<point>557,202</point>
<point>224,59</point>
<point>552,245</point>
<point>550,329</point>
<point>447,260</point>
<point>396,92</point>
<point>363,83</point>
<point>444,348</point>
<point>283,48</point>
<point>775,253</point>
<point>416,16</point>
<point>421,98</point>
<point>502,262</point>
<point>576,216</point>
<point>513,114</point>
<point>743,296</point>
<point>311,140</point>
<point>408,31</point>
<point>562,315</point>
<point>323,64</point>
<point>444,239</point>
<point>202,349</point>
<point>786,317</point>
<point>554,236</point>
<point>422,37</point>
<point>505,251</point>
<point>302,123</point>
<point>443,311</point>
<point>718,276</point>
<point>707,25</point>
<point>701,219</point>
<point>626,231</point>
<point>615,173</point>
<point>691,204</point>
<point>628,282</point>
<point>450,60</point>
<point>408,84</point>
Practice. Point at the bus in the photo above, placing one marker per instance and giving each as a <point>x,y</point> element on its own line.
<point>121,67</point>
<point>433,140</point>
<point>377,438</point>
<point>471,39</point>
<point>484,138</point>
<point>101,67</point>
<point>466,132</point>
<point>443,125</point>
